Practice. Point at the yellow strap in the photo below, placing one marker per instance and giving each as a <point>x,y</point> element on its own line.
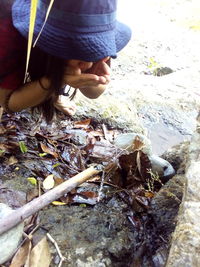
<point>47,14</point>
<point>33,12</point>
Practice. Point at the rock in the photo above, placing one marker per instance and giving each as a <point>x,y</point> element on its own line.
<point>92,236</point>
<point>185,245</point>
<point>162,167</point>
<point>162,71</point>
<point>177,156</point>
<point>9,240</point>
<point>165,205</point>
<point>159,166</point>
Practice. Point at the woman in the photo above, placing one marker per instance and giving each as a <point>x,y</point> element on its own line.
<point>74,48</point>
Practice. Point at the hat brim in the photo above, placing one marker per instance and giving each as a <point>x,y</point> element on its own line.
<point>71,44</point>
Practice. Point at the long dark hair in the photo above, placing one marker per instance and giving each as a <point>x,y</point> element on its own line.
<point>42,64</point>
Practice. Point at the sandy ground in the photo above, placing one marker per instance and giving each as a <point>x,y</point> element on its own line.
<point>165,34</point>
<point>168,34</point>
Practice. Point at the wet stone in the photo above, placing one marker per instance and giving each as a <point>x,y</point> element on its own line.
<point>165,205</point>
<point>91,236</point>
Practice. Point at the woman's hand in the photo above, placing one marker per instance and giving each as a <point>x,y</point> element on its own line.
<point>88,76</point>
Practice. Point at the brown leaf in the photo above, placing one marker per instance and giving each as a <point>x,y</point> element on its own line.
<point>2,130</point>
<point>32,193</point>
<point>96,133</point>
<point>149,194</point>
<point>89,194</point>
<point>82,124</point>
<point>12,160</point>
<point>128,161</point>
<point>58,180</point>
<point>143,164</point>
<point>40,254</point>
<point>48,150</point>
<point>137,144</point>
<point>21,255</point>
<point>52,142</point>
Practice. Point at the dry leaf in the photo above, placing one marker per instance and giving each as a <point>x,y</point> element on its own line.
<point>21,255</point>
<point>149,194</point>
<point>31,194</point>
<point>2,129</point>
<point>49,182</point>
<point>48,150</point>
<point>12,160</point>
<point>40,254</point>
<point>82,124</point>
<point>137,144</point>
<point>58,180</point>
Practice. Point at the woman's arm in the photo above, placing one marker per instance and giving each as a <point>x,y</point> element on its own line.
<point>91,83</point>
<point>29,95</point>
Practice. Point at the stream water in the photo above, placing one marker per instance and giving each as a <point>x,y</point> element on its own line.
<point>166,127</point>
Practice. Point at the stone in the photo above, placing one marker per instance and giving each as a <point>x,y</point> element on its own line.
<point>185,246</point>
<point>9,240</point>
<point>193,178</point>
<point>161,167</point>
<point>165,205</point>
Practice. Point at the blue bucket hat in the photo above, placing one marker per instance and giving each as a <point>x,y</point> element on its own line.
<point>75,29</point>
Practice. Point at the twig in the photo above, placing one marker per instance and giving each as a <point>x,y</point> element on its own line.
<point>38,203</point>
<point>105,131</point>
<point>1,113</point>
<point>62,258</point>
<point>101,187</point>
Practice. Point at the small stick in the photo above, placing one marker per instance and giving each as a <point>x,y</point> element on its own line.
<point>62,258</point>
<point>1,113</point>
<point>40,202</point>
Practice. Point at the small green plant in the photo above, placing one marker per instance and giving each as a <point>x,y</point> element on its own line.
<point>23,147</point>
<point>56,165</point>
<point>154,177</point>
<point>154,66</point>
<point>42,154</point>
<point>2,151</point>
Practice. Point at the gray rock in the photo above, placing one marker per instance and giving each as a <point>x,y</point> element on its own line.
<point>98,236</point>
<point>162,167</point>
<point>177,156</point>
<point>9,240</point>
<point>185,248</point>
<point>165,205</point>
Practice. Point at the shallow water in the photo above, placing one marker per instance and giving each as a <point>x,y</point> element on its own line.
<point>167,127</point>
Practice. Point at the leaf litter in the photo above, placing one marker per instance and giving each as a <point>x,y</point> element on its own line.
<point>57,153</point>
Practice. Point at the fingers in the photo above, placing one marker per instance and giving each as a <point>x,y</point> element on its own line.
<point>78,81</point>
<point>98,73</point>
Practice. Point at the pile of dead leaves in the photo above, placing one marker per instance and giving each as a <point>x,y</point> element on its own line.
<point>54,153</point>
<point>51,154</point>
